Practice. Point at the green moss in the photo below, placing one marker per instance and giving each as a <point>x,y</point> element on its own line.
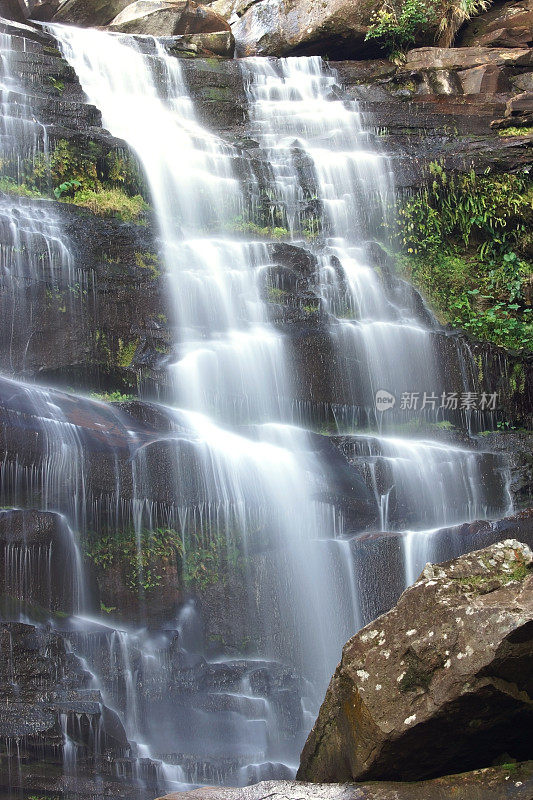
<point>112,397</point>
<point>415,678</point>
<point>276,295</point>
<point>86,173</point>
<point>149,261</point>
<point>58,84</point>
<point>102,345</point>
<point>517,571</point>
<point>217,93</point>
<point>111,203</point>
<point>203,558</point>
<point>126,352</point>
<point>141,560</point>
<point>262,231</point>
<point>514,131</point>
<point>517,379</point>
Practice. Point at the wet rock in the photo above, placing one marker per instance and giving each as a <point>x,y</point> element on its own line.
<point>38,560</point>
<point>490,784</point>
<point>519,109</point>
<point>444,674</point>
<point>168,18</point>
<point>505,25</point>
<point>518,449</point>
<point>41,682</point>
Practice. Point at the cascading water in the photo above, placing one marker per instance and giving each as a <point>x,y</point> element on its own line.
<point>230,467</point>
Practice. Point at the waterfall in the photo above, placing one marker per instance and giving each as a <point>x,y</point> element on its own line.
<point>229,469</point>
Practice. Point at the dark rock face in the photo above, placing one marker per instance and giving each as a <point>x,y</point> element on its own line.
<point>12,9</point>
<point>380,558</point>
<point>45,694</point>
<point>518,448</point>
<point>444,674</point>
<point>490,784</point>
<point>504,25</point>
<point>461,89</point>
<point>38,560</point>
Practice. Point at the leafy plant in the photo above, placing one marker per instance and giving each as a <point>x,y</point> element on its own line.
<point>456,14</point>
<point>10,186</point>
<point>112,397</point>
<point>203,558</point>
<point>465,240</point>
<point>212,563</point>
<point>141,559</point>
<point>397,28</point>
<point>67,187</point>
<point>513,130</point>
<point>58,84</point>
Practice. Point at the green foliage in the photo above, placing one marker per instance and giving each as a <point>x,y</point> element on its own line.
<point>398,24</point>
<point>149,261</point>
<point>112,397</point>
<point>514,131</point>
<point>464,242</point>
<point>112,203</point>
<point>107,182</point>
<point>126,352</point>
<point>203,559</point>
<point>58,85</point>
<point>67,187</point>
<point>276,295</point>
<point>396,28</point>
<point>141,560</point>
<point>212,563</point>
<point>241,225</point>
<point>10,186</point>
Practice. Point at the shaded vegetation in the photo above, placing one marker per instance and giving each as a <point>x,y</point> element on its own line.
<point>399,24</point>
<point>200,558</point>
<point>107,182</point>
<point>467,244</point>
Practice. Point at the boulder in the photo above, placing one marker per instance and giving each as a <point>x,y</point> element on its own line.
<point>505,25</point>
<point>90,12</point>
<point>337,27</point>
<point>446,675</point>
<point>489,784</point>
<point>168,18</point>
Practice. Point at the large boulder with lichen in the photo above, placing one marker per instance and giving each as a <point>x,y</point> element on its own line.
<point>440,684</point>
